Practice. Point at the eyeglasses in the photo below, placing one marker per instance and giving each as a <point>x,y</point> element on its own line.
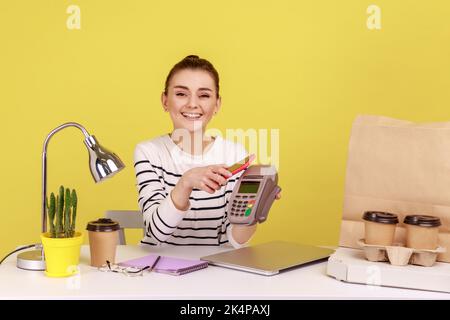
<point>129,271</point>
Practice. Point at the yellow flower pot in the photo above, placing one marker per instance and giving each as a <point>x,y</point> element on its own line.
<point>62,255</point>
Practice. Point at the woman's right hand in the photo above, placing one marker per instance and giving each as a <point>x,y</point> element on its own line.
<point>209,178</point>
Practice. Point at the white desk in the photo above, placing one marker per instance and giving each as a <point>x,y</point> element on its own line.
<point>310,282</point>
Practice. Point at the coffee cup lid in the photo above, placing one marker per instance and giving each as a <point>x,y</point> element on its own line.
<point>380,217</point>
<point>103,225</point>
<point>422,221</point>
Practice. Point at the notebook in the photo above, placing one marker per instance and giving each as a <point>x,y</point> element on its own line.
<point>168,265</point>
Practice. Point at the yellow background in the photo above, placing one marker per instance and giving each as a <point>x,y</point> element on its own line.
<point>304,67</point>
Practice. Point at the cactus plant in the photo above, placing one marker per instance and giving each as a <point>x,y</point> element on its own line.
<point>62,213</point>
<point>51,214</point>
<point>67,214</point>
<point>59,212</point>
<point>74,211</point>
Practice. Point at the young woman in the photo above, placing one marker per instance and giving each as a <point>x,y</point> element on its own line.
<point>181,177</point>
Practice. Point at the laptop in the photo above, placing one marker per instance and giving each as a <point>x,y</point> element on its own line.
<point>269,258</point>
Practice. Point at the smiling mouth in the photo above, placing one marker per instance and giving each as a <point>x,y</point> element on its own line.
<point>191,115</point>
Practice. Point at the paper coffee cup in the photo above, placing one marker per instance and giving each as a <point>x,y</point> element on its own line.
<point>103,239</point>
<point>379,227</point>
<point>422,232</point>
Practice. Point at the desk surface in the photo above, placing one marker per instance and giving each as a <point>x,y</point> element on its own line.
<point>310,282</point>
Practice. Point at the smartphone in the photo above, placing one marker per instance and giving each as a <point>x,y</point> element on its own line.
<point>241,165</point>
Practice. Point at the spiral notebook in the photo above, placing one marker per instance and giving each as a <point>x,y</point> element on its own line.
<point>169,265</point>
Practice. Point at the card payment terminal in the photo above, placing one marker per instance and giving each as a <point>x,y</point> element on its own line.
<point>253,195</point>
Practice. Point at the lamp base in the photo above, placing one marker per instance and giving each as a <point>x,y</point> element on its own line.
<point>31,260</point>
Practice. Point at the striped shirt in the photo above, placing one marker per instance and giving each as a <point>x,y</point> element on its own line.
<point>159,163</point>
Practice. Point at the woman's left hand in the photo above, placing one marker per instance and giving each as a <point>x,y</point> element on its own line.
<point>278,196</point>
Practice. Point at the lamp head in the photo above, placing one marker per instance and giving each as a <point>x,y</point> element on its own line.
<point>102,162</point>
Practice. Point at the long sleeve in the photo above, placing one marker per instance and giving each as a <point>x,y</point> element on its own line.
<point>160,215</point>
<point>159,165</point>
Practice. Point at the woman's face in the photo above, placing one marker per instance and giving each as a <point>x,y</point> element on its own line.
<point>191,99</point>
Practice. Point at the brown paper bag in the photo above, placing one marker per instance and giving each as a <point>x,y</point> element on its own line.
<point>399,167</point>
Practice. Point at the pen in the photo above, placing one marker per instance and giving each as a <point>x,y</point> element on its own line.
<point>154,263</point>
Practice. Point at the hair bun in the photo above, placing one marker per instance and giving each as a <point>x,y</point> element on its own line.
<point>193,62</point>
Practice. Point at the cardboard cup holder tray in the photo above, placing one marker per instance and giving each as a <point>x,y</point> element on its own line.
<point>400,255</point>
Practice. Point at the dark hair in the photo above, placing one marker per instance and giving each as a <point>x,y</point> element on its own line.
<point>193,62</point>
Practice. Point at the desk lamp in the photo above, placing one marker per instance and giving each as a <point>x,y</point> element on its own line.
<point>103,164</point>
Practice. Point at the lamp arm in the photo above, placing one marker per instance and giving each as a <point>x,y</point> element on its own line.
<point>44,166</point>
